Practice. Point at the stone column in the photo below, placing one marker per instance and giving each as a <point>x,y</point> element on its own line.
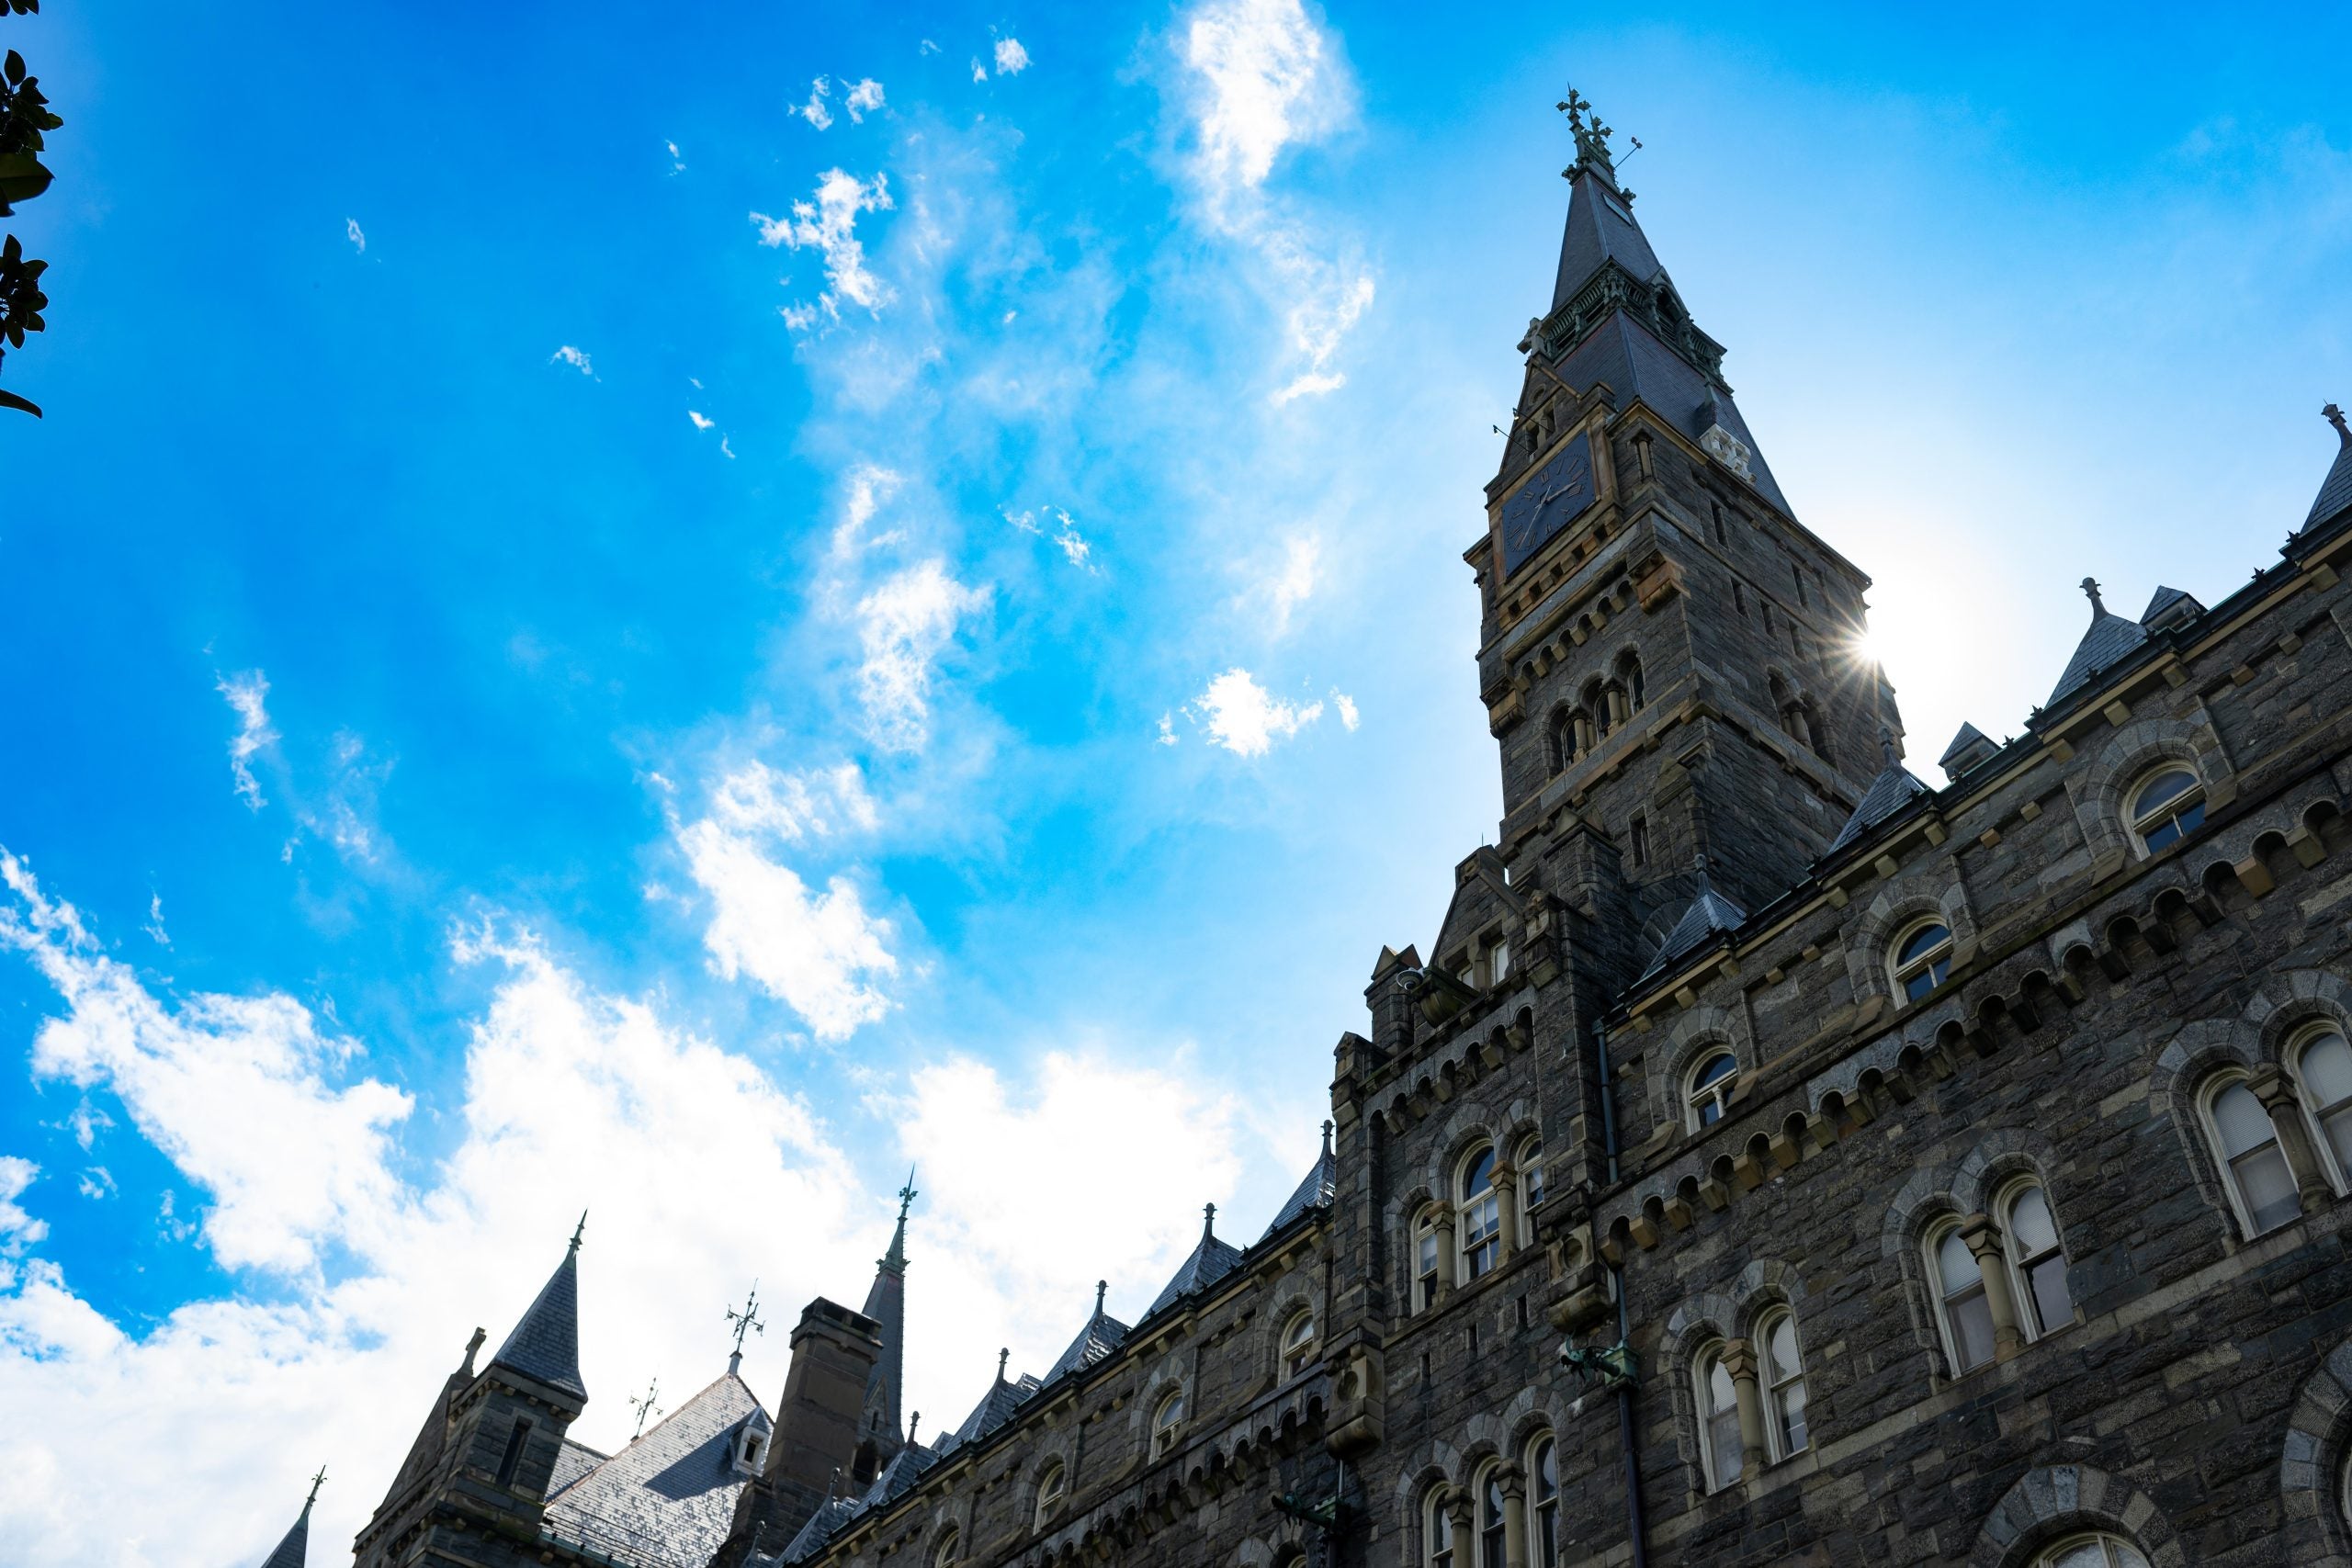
<point>1739,1360</point>
<point>2276,1091</point>
<point>1458,1508</point>
<point>1445,1258</point>
<point>1514,1484</point>
<point>1505,1180</point>
<point>1984,1240</point>
<point>1618,709</point>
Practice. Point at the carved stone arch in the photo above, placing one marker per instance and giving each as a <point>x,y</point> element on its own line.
<point>2052,1501</point>
<point>1697,1318</point>
<point>1871,937</point>
<point>2002,1155</point>
<point>1918,1204</point>
<point>1470,1123</point>
<point>2310,1464</point>
<point>1414,1483</point>
<point>2131,751</point>
<point>1165,1374</point>
<point>2183,1068</point>
<point>1294,1289</point>
<point>1672,1058</point>
<point>1765,1283</point>
<point>2288,1000</point>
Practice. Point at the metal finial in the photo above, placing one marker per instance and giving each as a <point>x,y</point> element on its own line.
<point>1327,1127</point>
<point>2335,416</point>
<point>1209,1220</point>
<point>578,1231</point>
<point>1101,1289</point>
<point>2090,588</point>
<point>746,1322</point>
<point>913,1421</point>
<point>644,1407</point>
<point>907,1194</point>
<point>1003,1357</point>
<point>316,1482</point>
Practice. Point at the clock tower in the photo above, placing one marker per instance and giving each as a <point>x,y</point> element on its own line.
<point>1669,660</point>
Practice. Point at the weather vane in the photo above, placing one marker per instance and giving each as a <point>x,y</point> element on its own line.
<point>645,1408</point>
<point>316,1482</point>
<point>748,1320</point>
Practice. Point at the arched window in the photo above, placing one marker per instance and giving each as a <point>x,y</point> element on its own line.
<point>1640,836</point>
<point>1437,1531</point>
<point>2167,807</point>
<point>1530,1162</point>
<point>1814,736</point>
<point>1167,1420</point>
<point>1708,1089</point>
<point>1489,1494</point>
<point>949,1550</point>
<point>2261,1185</point>
<point>1049,1494</point>
<point>1718,1418</point>
<point>2324,1067</point>
<point>1562,738</point>
<point>1922,958</point>
<point>1298,1342</point>
<point>2036,1260</point>
<point>1966,1315</point>
<point>1479,1222</point>
<point>2091,1552</point>
<point>1425,1260</point>
<point>1780,1363</point>
<point>1543,1501</point>
<point>1597,704</point>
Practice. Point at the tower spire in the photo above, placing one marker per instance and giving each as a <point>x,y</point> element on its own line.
<point>294,1547</point>
<point>886,1303</point>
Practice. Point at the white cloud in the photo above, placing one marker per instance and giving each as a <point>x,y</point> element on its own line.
<point>1167,735</point>
<point>18,1230</point>
<point>1012,60</point>
<point>1053,523</point>
<point>903,626</point>
<point>1347,706</point>
<point>575,357</point>
<point>827,225</point>
<point>814,111</point>
<point>864,97</point>
<point>1242,717</point>
<point>351,231</point>
<point>1289,584</point>
<point>725,450</point>
<point>869,486</point>
<point>820,953</point>
<point>246,694</point>
<point>96,1182</point>
<point>979,72</point>
<point>154,926</point>
<point>928,48</point>
<point>799,318</point>
<point>198,1079</point>
<point>677,159</point>
<point>700,422</point>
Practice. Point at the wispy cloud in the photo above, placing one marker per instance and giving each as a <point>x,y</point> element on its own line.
<point>815,110</point>
<point>903,626</point>
<point>351,231</point>
<point>677,159</point>
<point>700,422</point>
<point>575,357</point>
<point>864,98</point>
<point>1240,716</point>
<point>1012,60</point>
<point>246,694</point>
<point>1053,523</point>
<point>18,1229</point>
<point>827,225</point>
<point>979,72</point>
<point>154,926</point>
<point>1347,706</point>
<point>1289,583</point>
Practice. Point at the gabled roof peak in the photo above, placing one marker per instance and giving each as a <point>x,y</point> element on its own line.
<point>1893,789</point>
<point>545,1341</point>
<point>2108,639</point>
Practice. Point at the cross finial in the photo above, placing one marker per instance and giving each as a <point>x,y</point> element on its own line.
<point>1592,136</point>
<point>2090,588</point>
<point>907,1194</point>
<point>644,1407</point>
<point>578,1231</point>
<point>1003,1357</point>
<point>745,1322</point>
<point>2335,416</point>
<point>316,1482</point>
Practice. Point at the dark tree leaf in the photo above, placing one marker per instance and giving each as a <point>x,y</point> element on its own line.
<point>10,400</point>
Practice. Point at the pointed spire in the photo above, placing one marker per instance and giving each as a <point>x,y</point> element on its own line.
<point>746,1322</point>
<point>2110,637</point>
<point>2091,589</point>
<point>886,1303</point>
<point>295,1548</point>
<point>578,1231</point>
<point>545,1341</point>
<point>2335,491</point>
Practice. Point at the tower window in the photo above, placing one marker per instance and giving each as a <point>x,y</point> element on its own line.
<point>1960,1299</point>
<point>1298,1342</point>
<point>1640,836</point>
<point>1425,1261</point>
<point>1490,1516</point>
<point>1717,507</point>
<point>1530,1160</point>
<point>1784,1369</point>
<point>1480,1219</point>
<point>2036,1260</point>
<point>2091,1552</point>
<point>1708,1091</point>
<point>1050,1486</point>
<point>2261,1186</point>
<point>2324,1070</point>
<point>1544,1499</point>
<point>1167,1421</point>
<point>1718,1418</point>
<point>512,1456</point>
<point>1739,600</point>
<point>2168,809</point>
<point>1922,959</point>
<point>1437,1531</point>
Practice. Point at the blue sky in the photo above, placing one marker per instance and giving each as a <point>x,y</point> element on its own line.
<point>594,623</point>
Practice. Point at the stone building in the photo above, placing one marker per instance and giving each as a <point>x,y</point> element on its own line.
<point>1776,1158</point>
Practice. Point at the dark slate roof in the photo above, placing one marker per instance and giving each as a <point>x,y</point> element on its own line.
<point>1889,792</point>
<point>1710,914</point>
<point>2109,639</point>
<point>2334,491</point>
<point>546,1343</point>
<point>1102,1335</point>
<point>2165,599</point>
<point>1600,229</point>
<point>886,1303</point>
<point>830,1516</point>
<point>1313,1192</point>
<point>899,1477</point>
<point>292,1552</point>
<point>1210,1261</point>
<point>668,1499</point>
<point>572,1460</point>
<point>1969,735</point>
<point>994,1410</point>
<point>1635,364</point>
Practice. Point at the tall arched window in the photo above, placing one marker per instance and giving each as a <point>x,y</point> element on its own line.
<point>1718,1418</point>
<point>1478,1224</point>
<point>1167,1421</point>
<point>949,1551</point>
<point>2091,1552</point>
<point>1597,704</point>
<point>1050,1486</point>
<point>1561,738</point>
<point>1489,1492</point>
<point>1707,1091</point>
<point>2167,807</point>
<point>1437,1531</point>
<point>2036,1260</point>
<point>2261,1185</point>
<point>1425,1260</point>
<point>1781,1364</point>
<point>1528,1159</point>
<point>1543,1502</point>
<point>2324,1067</point>
<point>1922,957</point>
<point>1298,1342</point>
<point>1966,1315</point>
<point>1641,838</point>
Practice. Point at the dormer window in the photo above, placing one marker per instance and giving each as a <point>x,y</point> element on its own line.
<point>751,1444</point>
<point>2168,809</point>
<point>1922,959</point>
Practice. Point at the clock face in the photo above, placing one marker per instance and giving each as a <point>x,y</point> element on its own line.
<point>1547,500</point>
